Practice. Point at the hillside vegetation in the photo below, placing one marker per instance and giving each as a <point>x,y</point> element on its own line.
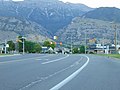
<point>51,14</point>
<point>101,31</point>
<point>104,13</point>
<point>11,28</point>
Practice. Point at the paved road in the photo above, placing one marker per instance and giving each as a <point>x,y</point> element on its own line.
<point>59,72</point>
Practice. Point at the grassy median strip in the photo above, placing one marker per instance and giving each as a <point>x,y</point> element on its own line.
<point>111,55</point>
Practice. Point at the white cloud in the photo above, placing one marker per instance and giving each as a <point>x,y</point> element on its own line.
<point>17,0</point>
<point>97,3</point>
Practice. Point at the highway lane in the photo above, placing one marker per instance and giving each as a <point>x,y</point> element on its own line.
<point>20,57</point>
<point>102,73</point>
<point>44,72</point>
<point>15,75</point>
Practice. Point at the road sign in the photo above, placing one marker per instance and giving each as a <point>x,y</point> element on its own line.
<point>7,45</point>
<point>55,37</point>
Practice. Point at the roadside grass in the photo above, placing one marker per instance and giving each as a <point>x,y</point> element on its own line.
<point>111,55</point>
<point>5,54</point>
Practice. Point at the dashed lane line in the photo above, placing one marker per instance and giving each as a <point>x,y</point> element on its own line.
<point>68,79</point>
<point>55,60</point>
<point>22,60</point>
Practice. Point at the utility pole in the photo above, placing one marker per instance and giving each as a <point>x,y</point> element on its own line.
<point>71,44</point>
<point>85,37</point>
<point>103,44</point>
<point>115,36</point>
<point>85,41</point>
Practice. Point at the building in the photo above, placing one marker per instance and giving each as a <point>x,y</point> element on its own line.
<point>1,48</point>
<point>102,49</point>
<point>47,50</point>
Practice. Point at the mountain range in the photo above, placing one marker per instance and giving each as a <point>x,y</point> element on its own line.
<point>111,14</point>
<point>11,28</point>
<point>93,29</point>
<point>51,14</point>
<point>46,18</point>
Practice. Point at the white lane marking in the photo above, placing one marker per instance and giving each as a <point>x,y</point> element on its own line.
<point>55,60</point>
<point>42,59</point>
<point>40,79</point>
<point>22,59</point>
<point>38,59</point>
<point>68,79</point>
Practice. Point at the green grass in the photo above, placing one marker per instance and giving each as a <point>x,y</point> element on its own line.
<point>111,55</point>
<point>4,54</point>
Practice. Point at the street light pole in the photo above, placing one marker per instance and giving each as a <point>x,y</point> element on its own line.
<point>115,39</point>
<point>23,45</point>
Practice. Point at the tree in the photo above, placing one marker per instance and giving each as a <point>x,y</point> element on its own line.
<point>49,44</point>
<point>37,48</point>
<point>20,43</point>
<point>29,46</point>
<point>75,50</point>
<point>11,46</point>
<point>82,49</point>
<point>52,45</point>
<point>46,43</point>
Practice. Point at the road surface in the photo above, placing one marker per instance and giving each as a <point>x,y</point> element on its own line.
<point>59,72</point>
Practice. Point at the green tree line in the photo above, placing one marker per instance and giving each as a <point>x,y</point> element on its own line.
<point>30,47</point>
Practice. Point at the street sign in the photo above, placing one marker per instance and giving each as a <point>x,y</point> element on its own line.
<point>55,37</point>
<point>7,45</point>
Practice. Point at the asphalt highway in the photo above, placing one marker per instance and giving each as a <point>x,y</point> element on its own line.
<point>59,72</point>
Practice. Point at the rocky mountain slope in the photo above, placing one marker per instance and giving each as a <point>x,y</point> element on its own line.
<point>104,13</point>
<point>51,14</point>
<point>11,27</point>
<point>97,30</point>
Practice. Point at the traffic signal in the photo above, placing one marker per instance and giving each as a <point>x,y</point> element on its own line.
<point>61,43</point>
<point>19,40</point>
<point>55,43</point>
<point>51,42</point>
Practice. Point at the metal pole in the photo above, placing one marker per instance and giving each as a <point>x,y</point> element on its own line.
<point>23,45</point>
<point>103,45</point>
<point>71,44</point>
<point>115,40</point>
<point>85,41</point>
<point>115,37</point>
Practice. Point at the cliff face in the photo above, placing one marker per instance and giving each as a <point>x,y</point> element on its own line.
<point>98,30</point>
<point>51,14</point>
<point>10,28</point>
<point>104,13</point>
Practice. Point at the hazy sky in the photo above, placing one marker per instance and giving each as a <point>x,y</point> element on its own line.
<point>94,3</point>
<point>18,0</point>
<point>97,3</point>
